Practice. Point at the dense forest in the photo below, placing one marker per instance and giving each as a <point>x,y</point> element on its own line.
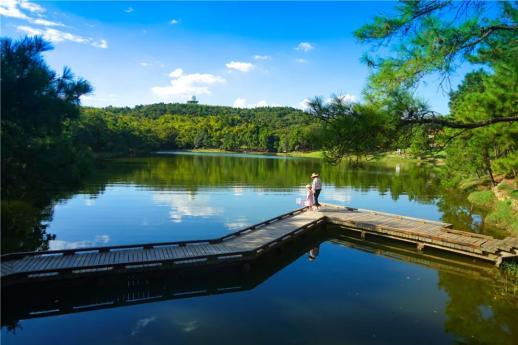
<point>186,126</point>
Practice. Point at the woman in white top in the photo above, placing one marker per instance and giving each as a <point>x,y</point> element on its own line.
<point>317,187</point>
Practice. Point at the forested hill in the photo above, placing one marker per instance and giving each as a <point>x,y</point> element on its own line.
<point>158,109</point>
<point>184,126</point>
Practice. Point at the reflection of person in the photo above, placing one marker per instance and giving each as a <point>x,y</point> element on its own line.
<point>317,187</point>
<point>310,197</point>
<point>313,253</point>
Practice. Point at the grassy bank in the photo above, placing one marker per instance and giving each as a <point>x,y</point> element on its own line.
<point>501,202</point>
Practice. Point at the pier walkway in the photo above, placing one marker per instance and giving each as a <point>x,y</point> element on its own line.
<point>252,242</point>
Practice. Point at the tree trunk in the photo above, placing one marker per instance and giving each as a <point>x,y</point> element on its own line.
<point>487,161</point>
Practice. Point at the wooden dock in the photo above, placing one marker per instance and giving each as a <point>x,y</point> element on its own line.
<point>251,242</point>
<point>94,292</point>
<point>42,298</point>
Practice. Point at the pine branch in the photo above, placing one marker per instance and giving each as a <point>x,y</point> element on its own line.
<point>453,124</point>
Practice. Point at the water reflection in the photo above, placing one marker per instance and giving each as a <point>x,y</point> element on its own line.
<point>187,205</point>
<point>377,296</point>
<point>313,253</point>
<point>193,196</point>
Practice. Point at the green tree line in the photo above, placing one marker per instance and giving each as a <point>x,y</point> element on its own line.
<point>188,126</point>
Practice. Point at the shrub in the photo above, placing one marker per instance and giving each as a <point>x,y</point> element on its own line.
<point>504,215</point>
<point>483,199</point>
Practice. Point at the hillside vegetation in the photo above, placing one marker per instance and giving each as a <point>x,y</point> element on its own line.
<point>188,126</point>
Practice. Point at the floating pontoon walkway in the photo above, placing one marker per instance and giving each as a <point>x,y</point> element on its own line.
<point>251,242</point>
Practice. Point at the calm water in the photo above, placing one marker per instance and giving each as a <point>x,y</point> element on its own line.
<point>346,295</point>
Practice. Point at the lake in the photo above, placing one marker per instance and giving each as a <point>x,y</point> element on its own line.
<point>353,292</point>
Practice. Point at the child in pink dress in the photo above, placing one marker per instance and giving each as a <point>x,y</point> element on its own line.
<point>310,197</point>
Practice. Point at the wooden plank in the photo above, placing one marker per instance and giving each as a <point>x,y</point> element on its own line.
<point>25,264</point>
<point>90,259</point>
<point>37,264</point>
<point>170,253</point>
<point>182,253</point>
<point>55,263</point>
<point>96,259</point>
<point>160,252</point>
<point>150,255</point>
<point>196,250</point>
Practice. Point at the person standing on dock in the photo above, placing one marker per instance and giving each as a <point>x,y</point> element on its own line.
<point>310,197</point>
<point>317,187</point>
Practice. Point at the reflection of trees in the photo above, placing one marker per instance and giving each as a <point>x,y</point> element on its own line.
<point>193,171</point>
<point>480,314</point>
<point>457,211</point>
<point>23,221</point>
<point>22,226</point>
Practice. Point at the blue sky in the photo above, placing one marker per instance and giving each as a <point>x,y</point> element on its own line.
<point>233,53</point>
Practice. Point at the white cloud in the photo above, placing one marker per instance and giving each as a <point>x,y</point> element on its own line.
<point>151,63</point>
<point>241,103</point>
<point>304,104</point>
<point>305,46</point>
<point>261,103</point>
<point>262,57</point>
<point>186,85</point>
<point>16,8</point>
<point>9,8</point>
<point>176,73</point>
<point>33,13</point>
<point>301,61</point>
<point>240,66</point>
<point>46,22</point>
<point>100,44</point>
<point>57,36</point>
<point>347,98</point>
<point>174,21</point>
<point>129,10</point>
<point>31,7</point>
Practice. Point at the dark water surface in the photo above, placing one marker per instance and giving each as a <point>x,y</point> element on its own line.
<point>353,293</point>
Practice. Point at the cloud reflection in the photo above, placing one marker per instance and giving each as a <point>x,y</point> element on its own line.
<point>141,324</point>
<point>340,197</point>
<point>100,240</point>
<point>237,223</point>
<point>189,326</point>
<point>185,205</point>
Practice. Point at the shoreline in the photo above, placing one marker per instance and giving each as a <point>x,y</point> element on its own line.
<point>387,157</point>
